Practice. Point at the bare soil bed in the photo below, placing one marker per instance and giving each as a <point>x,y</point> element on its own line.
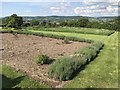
<point>21,51</point>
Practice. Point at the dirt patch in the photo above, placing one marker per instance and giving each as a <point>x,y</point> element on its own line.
<point>20,52</point>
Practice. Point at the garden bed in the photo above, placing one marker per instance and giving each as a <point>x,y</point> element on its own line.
<point>20,52</point>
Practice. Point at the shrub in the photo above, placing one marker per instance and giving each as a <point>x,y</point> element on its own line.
<point>63,68</point>
<point>42,59</point>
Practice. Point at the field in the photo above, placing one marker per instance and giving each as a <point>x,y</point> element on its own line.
<point>100,73</point>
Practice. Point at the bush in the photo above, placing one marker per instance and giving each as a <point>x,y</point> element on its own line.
<point>63,68</point>
<point>42,59</point>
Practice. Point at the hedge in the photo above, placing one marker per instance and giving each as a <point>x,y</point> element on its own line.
<point>100,32</point>
<point>47,35</point>
<point>66,67</point>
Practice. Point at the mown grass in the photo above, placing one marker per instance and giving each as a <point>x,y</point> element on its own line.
<point>103,71</point>
<point>13,79</point>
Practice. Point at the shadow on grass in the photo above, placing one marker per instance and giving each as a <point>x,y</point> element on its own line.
<point>11,82</point>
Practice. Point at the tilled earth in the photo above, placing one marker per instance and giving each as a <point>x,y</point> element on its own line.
<point>20,52</point>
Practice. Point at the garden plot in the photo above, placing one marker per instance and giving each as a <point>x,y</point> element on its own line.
<point>20,52</point>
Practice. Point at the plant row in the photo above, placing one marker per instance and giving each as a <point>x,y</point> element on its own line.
<point>87,31</point>
<point>63,37</point>
<point>66,68</point>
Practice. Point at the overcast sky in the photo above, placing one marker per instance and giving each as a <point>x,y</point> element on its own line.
<point>94,8</point>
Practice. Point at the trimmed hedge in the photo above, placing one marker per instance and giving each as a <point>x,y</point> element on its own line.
<point>100,32</point>
<point>65,68</point>
<point>47,35</point>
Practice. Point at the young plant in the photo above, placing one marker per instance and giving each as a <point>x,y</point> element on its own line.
<point>42,59</point>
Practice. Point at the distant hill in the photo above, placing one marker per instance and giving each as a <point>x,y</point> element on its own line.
<point>63,18</point>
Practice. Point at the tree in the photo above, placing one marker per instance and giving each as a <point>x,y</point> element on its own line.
<point>14,21</point>
<point>82,22</point>
<point>34,22</point>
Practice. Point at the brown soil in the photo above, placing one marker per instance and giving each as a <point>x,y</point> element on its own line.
<point>20,52</point>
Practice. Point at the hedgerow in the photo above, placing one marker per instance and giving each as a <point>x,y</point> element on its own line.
<point>47,35</point>
<point>65,68</point>
<point>86,31</point>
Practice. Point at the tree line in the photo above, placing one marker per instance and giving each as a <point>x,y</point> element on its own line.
<point>15,21</point>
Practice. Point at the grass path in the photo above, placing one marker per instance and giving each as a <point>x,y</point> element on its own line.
<point>103,71</point>
<point>14,79</point>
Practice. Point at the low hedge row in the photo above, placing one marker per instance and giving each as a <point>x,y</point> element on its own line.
<point>66,67</point>
<point>47,35</point>
<point>100,32</point>
<point>107,33</point>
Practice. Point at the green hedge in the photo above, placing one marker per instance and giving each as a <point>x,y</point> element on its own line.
<point>47,35</point>
<point>84,31</point>
<point>65,68</point>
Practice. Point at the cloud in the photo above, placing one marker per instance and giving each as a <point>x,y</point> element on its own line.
<point>55,10</point>
<point>96,10</point>
<point>91,2</point>
<point>63,9</point>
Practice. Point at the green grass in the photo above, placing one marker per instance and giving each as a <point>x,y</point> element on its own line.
<point>103,71</point>
<point>13,79</point>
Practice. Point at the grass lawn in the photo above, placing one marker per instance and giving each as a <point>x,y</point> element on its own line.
<point>103,71</point>
<point>13,79</point>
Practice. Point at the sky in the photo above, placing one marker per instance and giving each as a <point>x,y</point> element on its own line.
<point>92,8</point>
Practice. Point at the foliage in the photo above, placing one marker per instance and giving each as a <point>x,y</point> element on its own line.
<point>65,68</point>
<point>47,35</point>
<point>75,30</point>
<point>82,22</point>
<point>42,59</point>
<point>14,21</point>
<point>34,22</point>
